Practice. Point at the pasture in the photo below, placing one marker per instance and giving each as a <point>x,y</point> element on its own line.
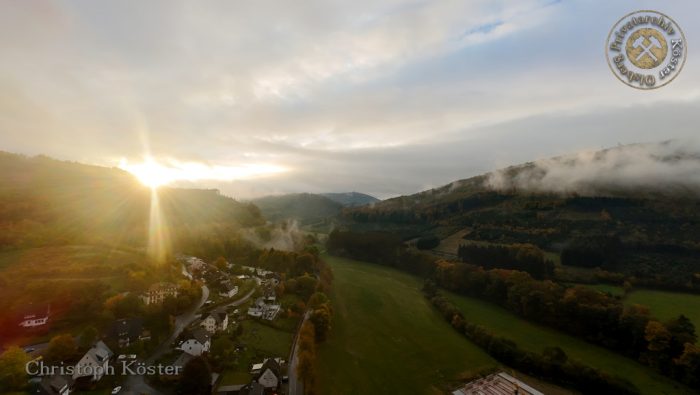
<point>386,338</point>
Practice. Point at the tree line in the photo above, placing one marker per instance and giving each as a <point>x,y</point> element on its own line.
<point>525,257</point>
<point>669,347</point>
<point>552,364</point>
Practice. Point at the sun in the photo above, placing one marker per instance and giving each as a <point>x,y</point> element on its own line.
<point>154,174</point>
<point>150,173</point>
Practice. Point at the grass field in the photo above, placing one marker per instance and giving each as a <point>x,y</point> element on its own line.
<point>663,305</point>
<point>535,338</point>
<point>666,305</point>
<point>386,338</point>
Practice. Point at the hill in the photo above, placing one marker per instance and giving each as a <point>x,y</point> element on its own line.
<point>44,201</point>
<point>306,208</point>
<point>351,199</point>
<point>630,209</point>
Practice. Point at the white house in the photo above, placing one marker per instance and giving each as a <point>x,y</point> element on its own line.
<point>216,321</point>
<point>269,374</point>
<point>228,290</point>
<point>198,344</point>
<point>35,317</point>
<point>157,293</point>
<point>261,309</point>
<point>94,363</point>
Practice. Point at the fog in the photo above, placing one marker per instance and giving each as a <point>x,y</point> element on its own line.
<point>670,167</point>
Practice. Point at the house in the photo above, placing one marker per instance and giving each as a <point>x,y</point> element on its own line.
<point>126,332</point>
<point>95,362</point>
<point>196,263</point>
<point>270,374</point>
<point>157,293</point>
<point>197,344</point>
<point>53,385</point>
<point>228,290</point>
<point>35,316</point>
<point>216,321</point>
<point>263,310</point>
<point>497,384</point>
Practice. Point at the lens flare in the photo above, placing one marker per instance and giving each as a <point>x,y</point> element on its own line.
<point>155,174</point>
<point>158,237</point>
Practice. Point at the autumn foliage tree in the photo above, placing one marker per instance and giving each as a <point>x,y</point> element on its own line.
<point>61,348</point>
<point>306,356</point>
<point>12,369</point>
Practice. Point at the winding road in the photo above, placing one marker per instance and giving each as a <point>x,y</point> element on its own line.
<point>137,384</point>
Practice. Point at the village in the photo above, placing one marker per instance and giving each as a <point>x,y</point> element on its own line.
<point>243,326</point>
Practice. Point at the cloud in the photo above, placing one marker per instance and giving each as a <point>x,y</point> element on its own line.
<point>379,96</point>
<point>669,168</point>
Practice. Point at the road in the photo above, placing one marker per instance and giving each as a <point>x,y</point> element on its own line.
<point>137,384</point>
<point>241,300</point>
<point>295,387</point>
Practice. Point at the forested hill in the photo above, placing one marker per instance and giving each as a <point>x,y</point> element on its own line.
<point>603,212</point>
<point>306,208</point>
<point>351,199</point>
<point>44,201</point>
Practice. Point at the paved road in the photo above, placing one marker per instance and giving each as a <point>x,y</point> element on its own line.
<point>295,386</point>
<point>137,384</point>
<point>241,300</point>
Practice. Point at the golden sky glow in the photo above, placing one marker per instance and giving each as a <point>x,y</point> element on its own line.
<point>153,173</point>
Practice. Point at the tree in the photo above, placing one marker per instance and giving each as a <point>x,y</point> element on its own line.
<point>306,285</point>
<point>62,348</point>
<point>13,374</point>
<point>305,369</point>
<point>321,319</point>
<point>196,378</point>
<point>221,263</point>
<point>682,331</point>
<point>124,305</point>
<point>306,355</point>
<point>659,339</point>
<point>222,351</point>
<point>689,361</point>
<point>317,299</point>
<point>87,337</point>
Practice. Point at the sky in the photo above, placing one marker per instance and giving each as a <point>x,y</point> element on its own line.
<point>382,97</point>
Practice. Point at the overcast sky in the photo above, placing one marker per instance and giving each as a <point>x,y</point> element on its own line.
<point>382,97</point>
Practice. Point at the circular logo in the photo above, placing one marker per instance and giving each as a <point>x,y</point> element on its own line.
<point>646,49</point>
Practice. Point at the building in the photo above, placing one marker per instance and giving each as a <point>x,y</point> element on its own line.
<point>126,332</point>
<point>270,374</point>
<point>52,385</point>
<point>197,344</point>
<point>35,316</point>
<point>497,384</point>
<point>228,290</point>
<point>157,293</point>
<point>216,321</point>
<point>261,309</point>
<point>95,362</point>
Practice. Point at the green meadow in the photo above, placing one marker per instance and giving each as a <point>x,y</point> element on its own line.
<point>535,338</point>
<point>386,338</point>
<point>663,305</point>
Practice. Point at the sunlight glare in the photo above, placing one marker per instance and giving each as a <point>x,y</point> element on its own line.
<point>154,174</point>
